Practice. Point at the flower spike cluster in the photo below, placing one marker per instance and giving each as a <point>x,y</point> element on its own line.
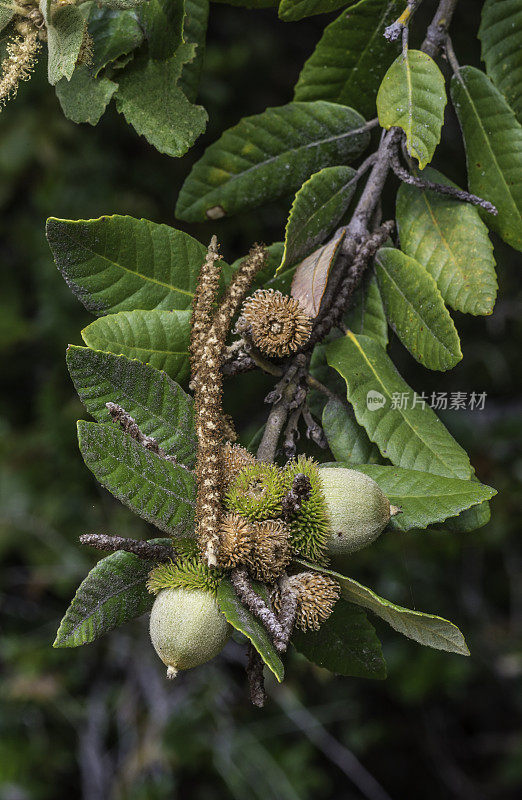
<point>208,340</point>
<point>22,53</point>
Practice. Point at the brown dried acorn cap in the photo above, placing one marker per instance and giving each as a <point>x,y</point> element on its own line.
<point>278,324</point>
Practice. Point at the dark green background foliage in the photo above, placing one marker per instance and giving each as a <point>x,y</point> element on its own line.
<point>101,722</point>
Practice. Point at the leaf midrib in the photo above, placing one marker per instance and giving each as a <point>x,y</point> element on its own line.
<point>487,141</point>
<point>239,175</point>
<point>417,314</point>
<point>100,603</point>
<point>132,272</point>
<point>415,432</point>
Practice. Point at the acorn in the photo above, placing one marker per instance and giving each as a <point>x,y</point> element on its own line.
<point>187,628</point>
<point>358,510</point>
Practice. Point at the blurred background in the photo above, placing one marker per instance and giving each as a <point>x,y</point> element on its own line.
<point>101,722</point>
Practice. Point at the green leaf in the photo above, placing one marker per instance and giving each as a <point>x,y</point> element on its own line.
<point>6,15</point>
<point>426,629</point>
<point>367,316</point>
<point>120,263</point>
<point>194,32</point>
<point>113,593</point>
<point>501,35</point>
<point>114,33</point>
<point>157,490</point>
<point>158,338</point>
<point>424,498</point>
<point>160,407</point>
<point>270,155</point>
<point>416,311</point>
<point>317,208</point>
<point>348,442</point>
<point>351,58</point>
<point>469,520</point>
<point>451,242</point>
<point>293,10</point>
<point>162,21</point>
<point>411,437</point>
<point>152,102</point>
<point>346,644</point>
<point>412,96</point>
<point>241,618</point>
<point>65,29</point>
<point>493,140</point>
<point>84,98</point>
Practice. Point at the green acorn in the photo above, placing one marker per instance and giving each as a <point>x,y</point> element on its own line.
<point>310,527</point>
<point>358,509</point>
<point>187,627</point>
<point>257,492</point>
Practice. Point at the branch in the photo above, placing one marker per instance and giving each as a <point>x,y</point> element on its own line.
<point>256,605</point>
<point>296,495</point>
<point>397,28</point>
<point>440,188</point>
<point>141,548</point>
<point>256,681</point>
<point>129,426</point>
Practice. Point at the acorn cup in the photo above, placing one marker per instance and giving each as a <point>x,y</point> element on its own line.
<point>358,510</point>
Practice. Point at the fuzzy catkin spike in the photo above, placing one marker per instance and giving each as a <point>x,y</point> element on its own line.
<point>235,541</point>
<point>257,492</point>
<point>310,526</point>
<point>316,597</point>
<point>204,297</point>
<point>186,573</point>
<point>278,325</point>
<point>207,348</point>
<point>271,551</point>
<point>19,63</point>
<point>250,266</point>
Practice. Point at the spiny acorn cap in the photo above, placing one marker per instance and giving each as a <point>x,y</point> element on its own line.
<point>235,541</point>
<point>233,459</point>
<point>271,551</point>
<point>185,573</point>
<point>257,492</point>
<point>310,527</point>
<point>316,597</point>
<point>278,324</point>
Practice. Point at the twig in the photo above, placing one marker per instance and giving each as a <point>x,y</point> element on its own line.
<point>288,607</point>
<point>141,548</point>
<point>366,249</point>
<point>291,436</point>
<point>130,426</point>
<point>397,28</point>
<point>452,58</point>
<point>440,188</point>
<point>255,604</point>
<point>256,681</point>
<point>296,495</point>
